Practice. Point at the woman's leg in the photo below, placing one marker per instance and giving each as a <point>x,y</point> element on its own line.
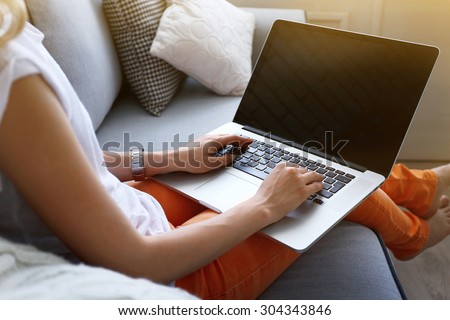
<point>404,233</point>
<point>412,189</point>
<point>244,272</point>
<point>177,207</point>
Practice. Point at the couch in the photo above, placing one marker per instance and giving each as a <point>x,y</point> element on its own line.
<point>350,262</point>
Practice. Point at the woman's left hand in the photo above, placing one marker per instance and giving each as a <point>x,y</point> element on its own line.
<point>200,155</point>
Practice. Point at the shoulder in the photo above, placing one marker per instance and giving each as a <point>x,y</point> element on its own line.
<point>22,47</point>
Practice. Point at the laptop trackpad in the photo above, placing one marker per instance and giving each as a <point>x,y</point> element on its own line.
<point>225,191</point>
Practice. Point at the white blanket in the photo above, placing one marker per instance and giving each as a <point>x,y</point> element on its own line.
<point>27,273</point>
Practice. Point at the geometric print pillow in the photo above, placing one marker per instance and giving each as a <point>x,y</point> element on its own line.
<point>133,25</point>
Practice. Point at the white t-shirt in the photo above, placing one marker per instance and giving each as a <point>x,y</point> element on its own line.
<point>24,56</point>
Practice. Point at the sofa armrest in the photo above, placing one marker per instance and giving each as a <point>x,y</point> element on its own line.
<point>264,20</point>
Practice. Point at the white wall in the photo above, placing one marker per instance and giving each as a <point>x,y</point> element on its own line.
<point>347,14</point>
<point>426,21</point>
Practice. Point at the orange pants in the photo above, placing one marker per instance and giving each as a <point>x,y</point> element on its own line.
<point>249,268</point>
<point>403,231</point>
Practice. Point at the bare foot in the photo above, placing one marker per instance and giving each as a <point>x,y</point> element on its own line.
<point>443,188</point>
<point>439,224</point>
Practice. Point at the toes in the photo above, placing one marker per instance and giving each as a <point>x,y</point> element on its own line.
<point>444,201</point>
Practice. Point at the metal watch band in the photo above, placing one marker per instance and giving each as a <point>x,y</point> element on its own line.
<point>137,163</point>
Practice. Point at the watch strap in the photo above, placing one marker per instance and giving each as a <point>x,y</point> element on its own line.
<point>137,163</point>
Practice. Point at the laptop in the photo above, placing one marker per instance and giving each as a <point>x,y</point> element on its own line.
<point>332,101</point>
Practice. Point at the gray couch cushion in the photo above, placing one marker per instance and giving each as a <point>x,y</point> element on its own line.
<point>77,36</point>
<point>194,111</point>
<point>347,263</point>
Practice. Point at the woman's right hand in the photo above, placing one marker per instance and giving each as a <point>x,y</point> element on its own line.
<point>285,189</point>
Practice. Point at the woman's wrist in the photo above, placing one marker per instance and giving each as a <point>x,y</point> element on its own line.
<point>268,212</point>
<point>256,210</point>
<point>162,162</point>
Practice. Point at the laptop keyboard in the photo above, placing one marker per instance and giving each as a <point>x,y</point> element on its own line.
<point>260,158</point>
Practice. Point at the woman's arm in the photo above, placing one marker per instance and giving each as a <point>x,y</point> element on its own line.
<point>43,158</point>
<point>196,157</point>
<point>119,163</point>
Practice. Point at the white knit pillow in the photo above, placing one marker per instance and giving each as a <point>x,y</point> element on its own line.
<point>210,40</point>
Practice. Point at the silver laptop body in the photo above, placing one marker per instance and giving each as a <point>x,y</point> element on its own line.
<point>336,102</point>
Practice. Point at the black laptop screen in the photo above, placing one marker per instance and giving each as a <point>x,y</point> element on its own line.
<point>350,96</point>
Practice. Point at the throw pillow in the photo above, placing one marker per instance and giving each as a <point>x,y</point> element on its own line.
<point>133,25</point>
<point>210,40</point>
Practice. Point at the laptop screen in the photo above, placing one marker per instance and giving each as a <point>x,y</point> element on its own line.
<point>349,96</point>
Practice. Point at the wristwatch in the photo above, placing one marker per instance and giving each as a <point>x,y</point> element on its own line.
<point>137,163</point>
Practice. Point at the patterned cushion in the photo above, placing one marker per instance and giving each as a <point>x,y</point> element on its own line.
<point>133,25</point>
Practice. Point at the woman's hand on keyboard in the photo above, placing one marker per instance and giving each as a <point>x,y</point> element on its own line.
<point>201,156</point>
<point>285,188</point>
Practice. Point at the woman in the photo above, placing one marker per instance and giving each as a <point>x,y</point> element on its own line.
<point>53,170</point>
